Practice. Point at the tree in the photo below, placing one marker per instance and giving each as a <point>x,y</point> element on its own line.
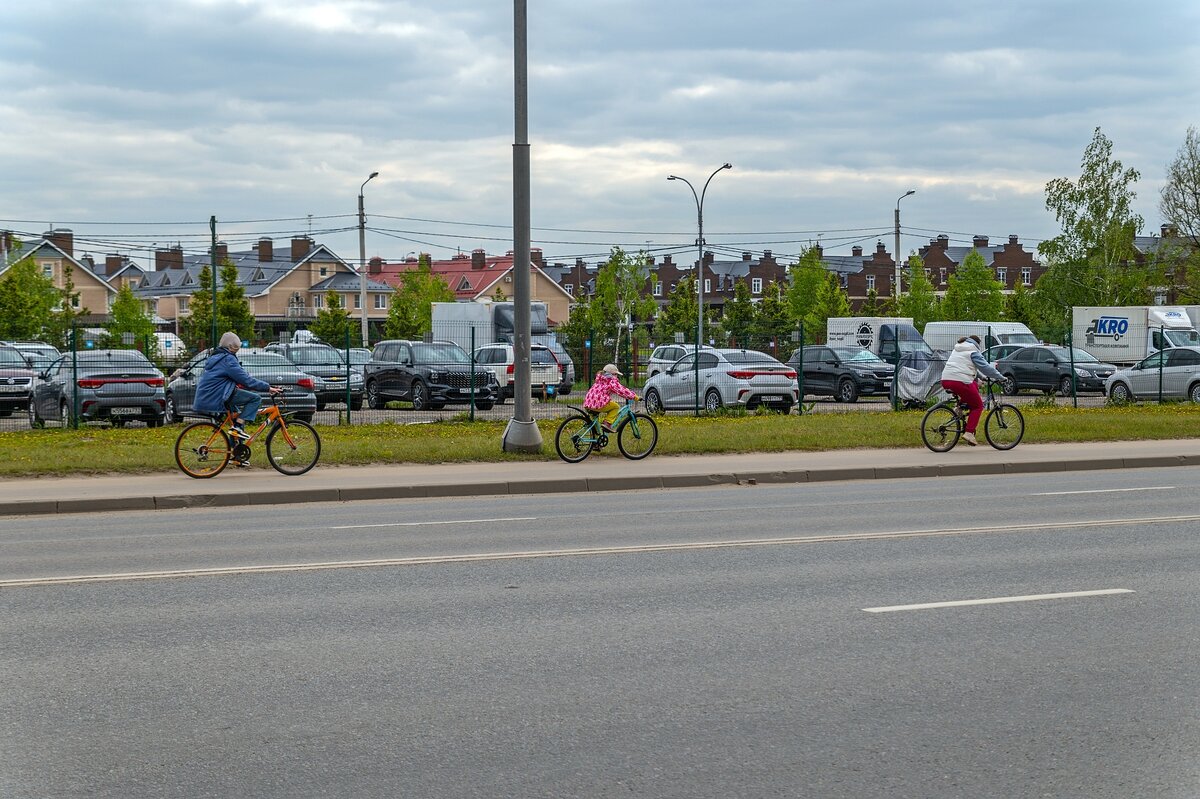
<point>197,328</point>
<point>872,306</point>
<point>1179,200</point>
<point>831,301</point>
<point>411,313</point>
<point>27,301</point>
<point>807,277</point>
<point>679,314</point>
<point>973,294</point>
<point>233,309</point>
<point>1093,261</point>
<point>738,314</point>
<point>619,298</point>
<point>63,318</point>
<point>1019,307</point>
<point>921,302</point>
<point>127,315</point>
<point>773,323</point>
<point>332,322</point>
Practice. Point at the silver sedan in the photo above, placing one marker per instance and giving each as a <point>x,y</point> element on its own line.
<point>1177,371</point>
<point>727,378</point>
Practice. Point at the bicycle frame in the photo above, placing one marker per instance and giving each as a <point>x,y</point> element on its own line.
<point>271,415</point>
<point>594,432</point>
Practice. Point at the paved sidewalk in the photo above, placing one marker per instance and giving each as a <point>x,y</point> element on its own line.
<point>260,486</point>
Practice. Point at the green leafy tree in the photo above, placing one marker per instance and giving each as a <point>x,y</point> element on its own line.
<point>1093,261</point>
<point>679,314</point>
<point>1019,307</point>
<point>27,301</point>
<point>831,302</point>
<point>619,299</point>
<point>871,305</point>
<point>973,294</point>
<point>62,319</point>
<point>807,278</point>
<point>332,322</point>
<point>411,311</point>
<point>773,323</point>
<point>233,309</point>
<point>738,315</point>
<point>128,315</point>
<point>197,328</point>
<point>921,302</point>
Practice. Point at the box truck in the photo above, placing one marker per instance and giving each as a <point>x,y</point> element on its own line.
<point>944,335</point>
<point>889,337</point>
<point>1126,335</point>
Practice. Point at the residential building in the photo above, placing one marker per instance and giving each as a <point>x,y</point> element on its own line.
<point>53,253</point>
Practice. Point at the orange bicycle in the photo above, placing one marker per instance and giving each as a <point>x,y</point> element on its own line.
<point>204,449</point>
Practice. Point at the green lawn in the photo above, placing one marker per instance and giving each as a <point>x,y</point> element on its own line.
<point>132,450</point>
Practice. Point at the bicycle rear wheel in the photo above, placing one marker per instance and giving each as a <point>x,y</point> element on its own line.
<point>1004,426</point>
<point>295,452</point>
<point>573,441</point>
<point>202,450</point>
<point>941,427</point>
<point>637,436</point>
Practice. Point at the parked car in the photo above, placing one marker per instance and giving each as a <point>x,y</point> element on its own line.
<point>299,388</point>
<point>16,381</point>
<point>116,386</point>
<point>39,354</point>
<point>564,360</point>
<point>1180,377</point>
<point>998,351</point>
<point>327,363</point>
<point>664,356</point>
<point>844,373</point>
<point>359,357</point>
<point>1048,368</point>
<point>430,375</point>
<point>545,373</point>
<point>728,377</point>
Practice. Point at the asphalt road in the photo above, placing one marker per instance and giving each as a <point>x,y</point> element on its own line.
<point>743,641</point>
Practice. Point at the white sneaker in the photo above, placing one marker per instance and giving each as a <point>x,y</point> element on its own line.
<point>970,439</point>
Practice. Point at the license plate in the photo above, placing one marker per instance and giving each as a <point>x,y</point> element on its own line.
<point>14,389</point>
<point>125,411</point>
<point>771,398</point>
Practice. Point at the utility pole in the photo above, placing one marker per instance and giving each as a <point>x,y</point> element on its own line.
<point>896,288</point>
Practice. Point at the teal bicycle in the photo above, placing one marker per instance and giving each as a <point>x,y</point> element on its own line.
<point>581,432</point>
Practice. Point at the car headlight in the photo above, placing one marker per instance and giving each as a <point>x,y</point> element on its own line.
<point>1083,372</point>
<point>355,377</point>
<point>435,375</point>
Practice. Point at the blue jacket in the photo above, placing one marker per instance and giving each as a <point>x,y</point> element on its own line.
<point>222,374</point>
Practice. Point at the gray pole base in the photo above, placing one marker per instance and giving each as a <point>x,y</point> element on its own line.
<point>522,437</point>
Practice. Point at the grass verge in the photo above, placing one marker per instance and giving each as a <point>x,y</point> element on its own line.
<point>139,450</point>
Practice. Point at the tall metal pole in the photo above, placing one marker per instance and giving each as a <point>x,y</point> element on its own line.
<point>362,258</point>
<point>896,287</point>
<point>699,198</point>
<point>212,252</point>
<point>521,434</point>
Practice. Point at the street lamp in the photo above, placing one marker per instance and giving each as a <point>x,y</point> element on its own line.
<point>699,198</point>
<point>897,286</point>
<point>362,257</point>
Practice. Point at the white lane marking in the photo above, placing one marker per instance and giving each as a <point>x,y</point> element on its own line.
<point>423,524</point>
<point>1104,491</point>
<point>559,553</point>
<point>998,600</point>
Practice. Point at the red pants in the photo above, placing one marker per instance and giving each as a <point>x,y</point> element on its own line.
<point>968,394</point>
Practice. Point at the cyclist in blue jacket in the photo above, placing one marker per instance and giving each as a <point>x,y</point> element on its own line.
<point>224,386</point>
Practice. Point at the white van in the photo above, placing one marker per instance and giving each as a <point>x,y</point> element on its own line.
<point>944,335</point>
<point>170,345</point>
<point>889,337</point>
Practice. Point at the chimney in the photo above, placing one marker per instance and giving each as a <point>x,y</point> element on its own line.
<point>375,266</point>
<point>161,260</point>
<point>222,253</point>
<point>113,263</point>
<point>745,255</point>
<point>941,242</point>
<point>767,256</point>
<point>175,257</point>
<point>856,251</point>
<point>87,260</point>
<point>266,250</point>
<point>668,261</point>
<point>62,238</point>
<point>300,247</point>
<point>579,264</point>
<point>535,256</point>
<point>1169,231</point>
<point>478,259</point>
<point>879,248</point>
<point>980,241</point>
<point>1012,239</point>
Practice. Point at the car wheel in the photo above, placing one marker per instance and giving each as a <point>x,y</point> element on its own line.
<point>157,422</point>
<point>356,403</point>
<point>785,408</point>
<point>500,397</point>
<point>847,390</point>
<point>654,405</point>
<point>64,413</point>
<point>1194,392</point>
<point>1010,386</point>
<point>1065,386</point>
<point>712,400</point>
<point>35,421</point>
<point>420,396</point>
<point>172,412</point>
<point>320,405</point>
<point>374,399</point>
<point>483,406</point>
<point>1120,393</point>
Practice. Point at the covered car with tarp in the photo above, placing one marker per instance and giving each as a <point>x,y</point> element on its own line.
<point>918,378</point>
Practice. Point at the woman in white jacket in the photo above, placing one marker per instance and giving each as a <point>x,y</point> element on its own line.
<point>958,377</point>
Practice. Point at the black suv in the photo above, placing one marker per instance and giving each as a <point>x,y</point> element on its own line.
<point>843,373</point>
<point>329,364</point>
<point>430,375</point>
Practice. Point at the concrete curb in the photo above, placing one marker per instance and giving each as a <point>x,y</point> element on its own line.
<point>579,484</point>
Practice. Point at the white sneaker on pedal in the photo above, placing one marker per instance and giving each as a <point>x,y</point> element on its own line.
<point>970,439</point>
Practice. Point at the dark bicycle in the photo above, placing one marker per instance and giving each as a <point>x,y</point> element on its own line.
<point>943,425</point>
<point>581,432</point>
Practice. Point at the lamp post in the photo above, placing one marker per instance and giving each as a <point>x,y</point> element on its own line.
<point>362,257</point>
<point>897,286</point>
<point>699,198</point>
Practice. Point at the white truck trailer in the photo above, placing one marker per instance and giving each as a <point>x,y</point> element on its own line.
<point>1127,335</point>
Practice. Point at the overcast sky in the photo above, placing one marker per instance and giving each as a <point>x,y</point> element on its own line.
<point>134,121</point>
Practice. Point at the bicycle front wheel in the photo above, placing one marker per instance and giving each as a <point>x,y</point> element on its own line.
<point>574,441</point>
<point>637,436</point>
<point>941,427</point>
<point>1004,426</point>
<point>202,450</point>
<point>295,449</point>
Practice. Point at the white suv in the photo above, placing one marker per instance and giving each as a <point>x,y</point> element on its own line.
<point>545,372</point>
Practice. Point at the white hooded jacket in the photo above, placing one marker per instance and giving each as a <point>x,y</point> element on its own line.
<point>965,361</point>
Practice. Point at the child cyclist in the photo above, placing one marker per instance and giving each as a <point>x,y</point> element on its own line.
<point>599,396</point>
<point>958,377</point>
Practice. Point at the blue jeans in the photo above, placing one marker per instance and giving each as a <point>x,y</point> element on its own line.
<point>245,404</point>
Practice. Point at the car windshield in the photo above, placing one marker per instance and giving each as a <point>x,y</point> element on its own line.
<point>1182,338</point>
<point>265,359</point>
<point>1079,355</point>
<point>10,357</point>
<point>359,356</point>
<point>858,355</point>
<point>315,356</point>
<point>439,353</point>
<point>751,356</point>
<point>1020,338</point>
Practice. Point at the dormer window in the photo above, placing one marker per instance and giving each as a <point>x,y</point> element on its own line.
<point>464,285</point>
